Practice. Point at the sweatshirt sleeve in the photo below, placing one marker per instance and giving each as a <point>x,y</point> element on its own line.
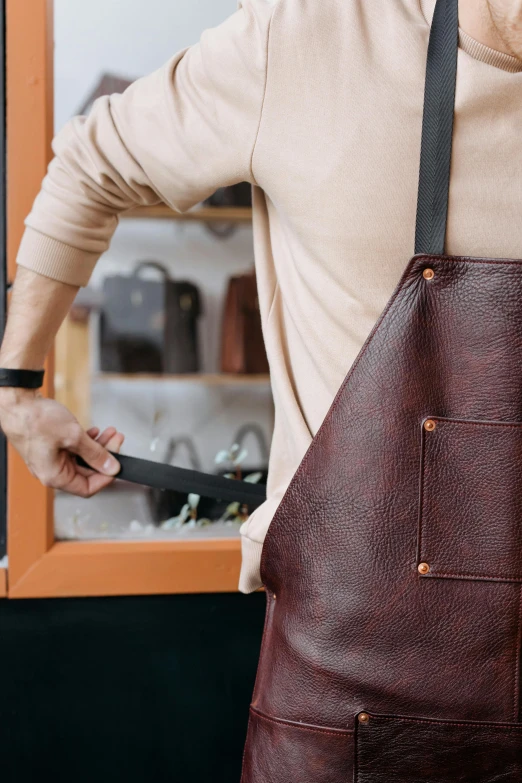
<point>174,136</point>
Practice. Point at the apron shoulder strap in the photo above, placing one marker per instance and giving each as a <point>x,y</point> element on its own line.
<point>437,129</point>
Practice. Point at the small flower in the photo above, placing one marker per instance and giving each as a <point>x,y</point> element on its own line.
<point>193,500</point>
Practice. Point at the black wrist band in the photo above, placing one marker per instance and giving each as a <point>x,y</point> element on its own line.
<point>21,379</point>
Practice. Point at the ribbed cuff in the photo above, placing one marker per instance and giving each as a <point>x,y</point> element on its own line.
<point>54,259</point>
<point>250,576</point>
<point>479,51</point>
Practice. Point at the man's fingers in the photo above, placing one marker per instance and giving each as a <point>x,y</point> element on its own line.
<point>111,440</point>
<point>116,442</point>
<point>96,456</point>
<point>86,486</point>
<point>93,432</point>
<point>106,438</point>
<point>94,482</point>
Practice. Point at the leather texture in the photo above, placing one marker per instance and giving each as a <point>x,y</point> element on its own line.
<point>354,625</point>
<point>280,750</point>
<point>402,750</point>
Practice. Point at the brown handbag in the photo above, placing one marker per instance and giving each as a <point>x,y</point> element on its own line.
<point>242,347</point>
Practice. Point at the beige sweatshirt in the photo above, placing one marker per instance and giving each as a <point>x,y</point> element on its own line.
<point>319,105</point>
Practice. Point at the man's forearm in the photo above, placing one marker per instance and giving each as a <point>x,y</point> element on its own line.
<point>37,308</point>
<point>46,434</point>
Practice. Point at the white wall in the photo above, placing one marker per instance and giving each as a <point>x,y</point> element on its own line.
<point>128,37</point>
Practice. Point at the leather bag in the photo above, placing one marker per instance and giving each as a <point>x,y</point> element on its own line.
<point>242,344</point>
<point>149,326</point>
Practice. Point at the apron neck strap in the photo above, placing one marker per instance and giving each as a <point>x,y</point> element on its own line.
<point>437,130</point>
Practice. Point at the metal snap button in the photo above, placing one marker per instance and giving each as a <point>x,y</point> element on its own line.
<point>363,717</point>
<point>428,274</point>
<point>423,568</point>
<point>429,425</point>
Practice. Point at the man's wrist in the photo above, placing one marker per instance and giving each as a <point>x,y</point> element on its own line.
<point>10,396</point>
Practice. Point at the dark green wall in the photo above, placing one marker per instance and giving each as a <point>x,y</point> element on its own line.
<point>150,689</point>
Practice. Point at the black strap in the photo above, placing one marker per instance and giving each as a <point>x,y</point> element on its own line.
<point>437,129</point>
<point>162,476</point>
<point>21,379</point>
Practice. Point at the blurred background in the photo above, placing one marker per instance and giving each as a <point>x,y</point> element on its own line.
<point>182,395</point>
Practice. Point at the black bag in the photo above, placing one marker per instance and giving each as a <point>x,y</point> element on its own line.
<point>149,326</point>
<point>215,508</point>
<point>167,503</point>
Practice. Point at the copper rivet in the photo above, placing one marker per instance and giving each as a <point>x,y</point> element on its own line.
<point>423,568</point>
<point>363,717</point>
<point>428,274</point>
<point>274,596</point>
<point>429,425</point>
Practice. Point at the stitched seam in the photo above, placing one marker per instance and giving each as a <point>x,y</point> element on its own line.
<point>268,615</point>
<point>462,724</point>
<point>422,13</point>
<point>422,496</point>
<point>470,260</point>
<point>475,423</point>
<point>249,729</point>
<point>272,303</point>
<point>516,705</point>
<point>459,574</point>
<point>256,137</point>
<point>449,575</point>
<point>304,727</point>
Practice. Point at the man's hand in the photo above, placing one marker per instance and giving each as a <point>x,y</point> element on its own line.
<point>46,434</point>
<point>48,437</point>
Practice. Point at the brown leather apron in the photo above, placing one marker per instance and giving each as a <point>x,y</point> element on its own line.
<point>393,568</point>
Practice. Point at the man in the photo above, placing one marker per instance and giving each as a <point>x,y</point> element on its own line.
<point>318,105</point>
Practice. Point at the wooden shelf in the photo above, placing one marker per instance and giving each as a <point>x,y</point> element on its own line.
<point>207,379</point>
<point>202,214</point>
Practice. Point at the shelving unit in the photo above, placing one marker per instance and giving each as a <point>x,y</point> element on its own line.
<point>202,214</point>
<point>39,565</point>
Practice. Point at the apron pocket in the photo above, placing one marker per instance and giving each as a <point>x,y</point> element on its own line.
<point>412,750</point>
<point>279,751</point>
<point>470,524</point>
